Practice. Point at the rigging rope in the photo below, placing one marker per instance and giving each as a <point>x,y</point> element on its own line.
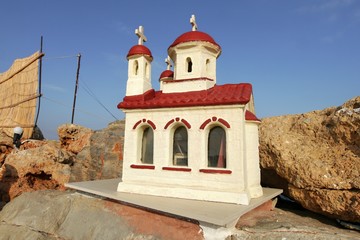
<point>61,57</point>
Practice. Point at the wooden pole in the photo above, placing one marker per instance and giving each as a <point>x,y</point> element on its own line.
<point>76,87</point>
<point>39,89</point>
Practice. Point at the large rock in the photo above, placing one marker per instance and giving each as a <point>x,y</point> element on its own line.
<point>43,167</point>
<point>54,215</point>
<point>81,155</point>
<point>101,157</point>
<point>66,215</point>
<point>74,138</point>
<point>315,158</point>
<point>6,145</point>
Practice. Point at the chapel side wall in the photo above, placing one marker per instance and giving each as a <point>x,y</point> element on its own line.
<point>130,149</point>
<point>252,159</point>
<point>197,153</point>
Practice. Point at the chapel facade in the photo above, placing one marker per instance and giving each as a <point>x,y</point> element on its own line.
<point>191,139</point>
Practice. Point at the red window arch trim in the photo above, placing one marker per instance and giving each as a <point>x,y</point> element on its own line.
<point>186,123</point>
<point>214,119</point>
<point>151,123</point>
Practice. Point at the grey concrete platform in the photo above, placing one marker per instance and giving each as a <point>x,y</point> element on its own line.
<point>220,214</point>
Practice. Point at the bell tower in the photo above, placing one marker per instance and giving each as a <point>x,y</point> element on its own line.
<point>139,67</point>
<point>194,54</point>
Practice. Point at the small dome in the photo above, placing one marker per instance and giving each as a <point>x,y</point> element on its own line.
<point>139,50</point>
<point>166,74</point>
<point>194,36</point>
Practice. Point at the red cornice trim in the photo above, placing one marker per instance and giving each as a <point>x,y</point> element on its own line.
<point>177,169</point>
<point>142,166</point>
<point>221,171</point>
<point>189,79</point>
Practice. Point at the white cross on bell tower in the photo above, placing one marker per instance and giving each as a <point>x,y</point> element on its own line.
<point>140,33</point>
<point>168,63</point>
<point>193,23</point>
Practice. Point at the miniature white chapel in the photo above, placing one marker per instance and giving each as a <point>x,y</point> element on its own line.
<point>192,139</point>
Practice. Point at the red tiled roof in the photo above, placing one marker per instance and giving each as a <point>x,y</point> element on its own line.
<point>249,116</point>
<point>227,94</point>
<point>194,36</point>
<point>139,50</point>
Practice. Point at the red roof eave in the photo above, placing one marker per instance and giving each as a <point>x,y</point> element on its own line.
<point>229,94</point>
<point>249,116</point>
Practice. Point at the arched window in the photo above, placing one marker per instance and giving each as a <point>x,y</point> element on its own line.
<point>207,65</point>
<point>147,146</point>
<point>217,148</point>
<point>136,68</point>
<point>180,147</point>
<point>147,70</point>
<point>189,65</point>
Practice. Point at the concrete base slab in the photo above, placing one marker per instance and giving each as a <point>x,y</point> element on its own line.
<point>213,213</point>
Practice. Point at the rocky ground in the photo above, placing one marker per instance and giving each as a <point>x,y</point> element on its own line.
<point>314,157</point>
<point>52,214</point>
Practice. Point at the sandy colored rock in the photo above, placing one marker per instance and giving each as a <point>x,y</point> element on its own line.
<point>315,153</point>
<point>74,138</point>
<point>102,157</point>
<point>67,215</point>
<point>44,167</point>
<point>6,145</point>
<point>80,155</point>
<point>54,214</point>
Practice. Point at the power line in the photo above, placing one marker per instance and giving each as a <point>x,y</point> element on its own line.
<point>92,94</point>
<point>67,106</point>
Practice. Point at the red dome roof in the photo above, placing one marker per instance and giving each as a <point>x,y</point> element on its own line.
<point>167,74</point>
<point>194,36</point>
<point>139,50</point>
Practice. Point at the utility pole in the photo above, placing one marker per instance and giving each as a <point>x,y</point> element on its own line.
<point>76,86</point>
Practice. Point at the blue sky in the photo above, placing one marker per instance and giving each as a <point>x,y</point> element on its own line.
<point>299,56</point>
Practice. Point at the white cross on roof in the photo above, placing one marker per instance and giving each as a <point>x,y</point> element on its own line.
<point>193,23</point>
<point>140,33</point>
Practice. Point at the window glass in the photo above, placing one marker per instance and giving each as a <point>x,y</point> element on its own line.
<point>136,68</point>
<point>147,146</point>
<point>217,148</point>
<point>147,70</point>
<point>189,65</point>
<point>180,147</point>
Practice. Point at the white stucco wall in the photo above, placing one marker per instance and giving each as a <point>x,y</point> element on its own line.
<point>141,82</point>
<point>252,158</point>
<point>232,187</point>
